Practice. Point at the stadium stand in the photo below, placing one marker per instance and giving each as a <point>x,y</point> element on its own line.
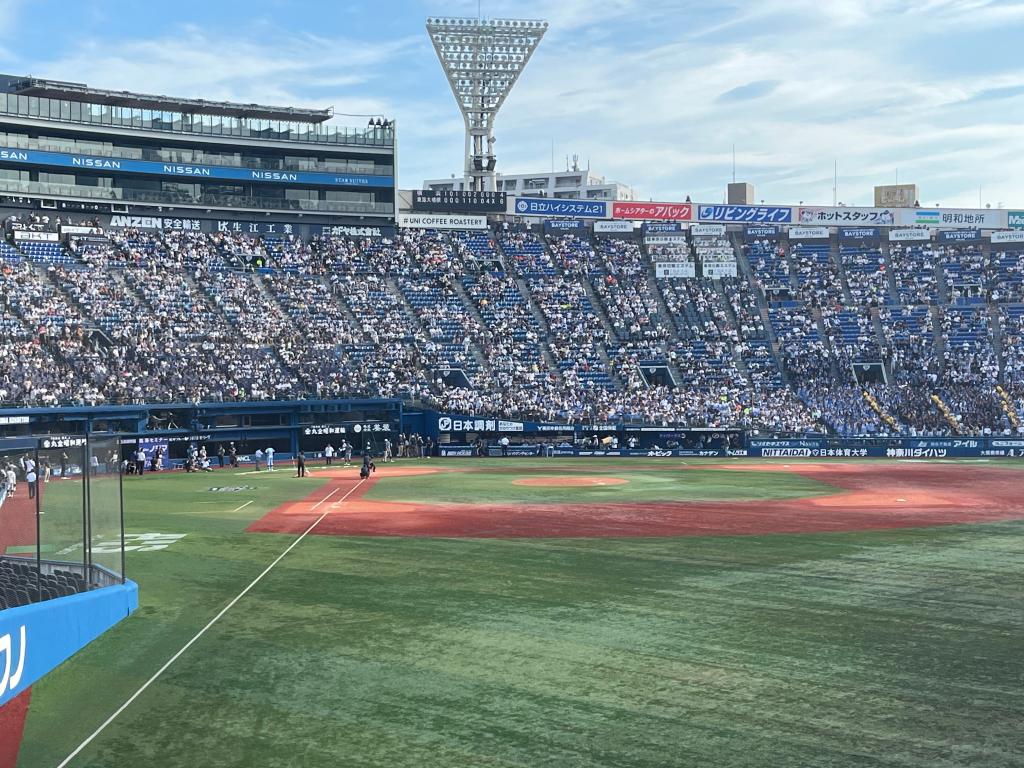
<point>514,323</point>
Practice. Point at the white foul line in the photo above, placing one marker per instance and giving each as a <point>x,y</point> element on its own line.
<point>239,509</point>
<point>213,621</point>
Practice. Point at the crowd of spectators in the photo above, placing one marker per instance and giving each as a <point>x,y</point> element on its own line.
<point>143,315</point>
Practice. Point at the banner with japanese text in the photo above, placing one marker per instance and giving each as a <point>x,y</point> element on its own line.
<point>754,214</point>
<point>656,211</point>
<point>952,217</point>
<point>848,215</point>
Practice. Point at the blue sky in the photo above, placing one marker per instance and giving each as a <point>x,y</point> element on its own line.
<point>653,94</point>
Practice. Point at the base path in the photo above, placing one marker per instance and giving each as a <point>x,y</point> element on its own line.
<point>872,497</point>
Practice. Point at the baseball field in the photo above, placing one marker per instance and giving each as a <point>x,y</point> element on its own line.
<point>520,612</point>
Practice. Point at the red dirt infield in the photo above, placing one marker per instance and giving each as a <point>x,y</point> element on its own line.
<point>875,497</point>
<point>12,725</point>
<point>569,481</point>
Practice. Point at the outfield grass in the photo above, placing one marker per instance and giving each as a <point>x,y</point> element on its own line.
<point>895,648</point>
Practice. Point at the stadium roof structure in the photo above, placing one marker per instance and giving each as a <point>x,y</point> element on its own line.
<point>482,59</point>
<point>58,89</point>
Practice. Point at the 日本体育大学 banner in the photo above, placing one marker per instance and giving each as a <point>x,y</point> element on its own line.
<point>652,211</point>
<point>753,214</point>
<point>718,268</point>
<point>188,170</point>
<point>675,269</point>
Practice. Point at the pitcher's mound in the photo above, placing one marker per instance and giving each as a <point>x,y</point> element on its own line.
<point>570,481</point>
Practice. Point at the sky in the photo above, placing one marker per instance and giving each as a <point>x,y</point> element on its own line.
<point>651,94</point>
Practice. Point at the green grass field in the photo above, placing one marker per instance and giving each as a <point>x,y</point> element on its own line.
<point>890,648</point>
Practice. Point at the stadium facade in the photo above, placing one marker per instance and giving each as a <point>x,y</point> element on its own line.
<point>574,183</point>
<point>73,147</point>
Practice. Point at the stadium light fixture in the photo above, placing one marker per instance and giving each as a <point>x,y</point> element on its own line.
<point>482,59</point>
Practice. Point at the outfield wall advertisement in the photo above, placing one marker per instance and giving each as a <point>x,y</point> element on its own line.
<point>36,638</point>
<point>893,448</point>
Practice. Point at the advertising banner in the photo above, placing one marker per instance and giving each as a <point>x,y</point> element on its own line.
<point>477,424</point>
<point>1008,237</point>
<point>847,215</point>
<point>952,217</point>
<point>119,165</point>
<point>36,638</point>
<point>859,233</point>
<point>613,227</point>
<point>564,225</point>
<point>678,239</point>
<point>1015,219</point>
<point>440,221</point>
<point>660,227</point>
<point>452,201</point>
<point>719,269</point>
<point>656,211</point>
<point>67,229</point>
<point>808,233</point>
<point>708,230</point>
<point>764,232</point>
<point>546,206</point>
<point>906,235</point>
<point>675,269</point>
<point>754,214</point>
<point>357,231</point>
<point>960,236</point>
<point>25,235</point>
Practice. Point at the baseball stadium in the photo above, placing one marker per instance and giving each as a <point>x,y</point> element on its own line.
<point>301,467</point>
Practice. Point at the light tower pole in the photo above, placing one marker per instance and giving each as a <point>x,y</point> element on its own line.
<point>482,59</point>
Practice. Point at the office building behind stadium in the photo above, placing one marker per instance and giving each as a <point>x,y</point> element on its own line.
<point>65,146</point>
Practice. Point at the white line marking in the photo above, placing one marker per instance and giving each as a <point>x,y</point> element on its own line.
<point>213,621</point>
<point>239,509</point>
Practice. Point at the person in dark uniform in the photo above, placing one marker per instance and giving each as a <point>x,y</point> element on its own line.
<point>368,466</point>
<point>220,454</point>
<point>300,464</point>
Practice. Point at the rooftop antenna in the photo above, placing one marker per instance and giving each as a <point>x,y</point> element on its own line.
<point>482,59</point>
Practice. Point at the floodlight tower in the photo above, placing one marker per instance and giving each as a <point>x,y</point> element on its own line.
<point>482,59</point>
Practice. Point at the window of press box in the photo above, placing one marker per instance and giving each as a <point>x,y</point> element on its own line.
<point>348,197</point>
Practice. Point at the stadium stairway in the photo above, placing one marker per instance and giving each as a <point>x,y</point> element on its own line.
<point>840,271</point>
<point>947,414</point>
<point>527,294</point>
<point>1006,403</point>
